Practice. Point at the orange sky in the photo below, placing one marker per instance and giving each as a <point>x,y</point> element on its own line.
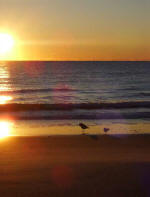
<point>77,30</point>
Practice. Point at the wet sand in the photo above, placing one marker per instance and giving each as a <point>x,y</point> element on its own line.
<point>75,166</point>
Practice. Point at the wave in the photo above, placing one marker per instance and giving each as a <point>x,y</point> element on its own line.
<point>72,116</point>
<point>38,90</point>
<point>71,106</point>
<point>145,94</point>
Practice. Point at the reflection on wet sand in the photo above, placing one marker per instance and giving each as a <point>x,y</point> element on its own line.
<point>5,129</point>
<point>5,99</point>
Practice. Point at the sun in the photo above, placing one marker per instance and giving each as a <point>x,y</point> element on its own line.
<point>6,43</point>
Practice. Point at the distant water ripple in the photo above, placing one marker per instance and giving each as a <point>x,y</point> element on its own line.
<point>75,90</point>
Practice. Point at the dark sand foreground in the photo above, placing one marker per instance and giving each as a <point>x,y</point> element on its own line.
<point>75,166</point>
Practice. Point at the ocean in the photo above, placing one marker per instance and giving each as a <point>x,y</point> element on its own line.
<point>66,93</point>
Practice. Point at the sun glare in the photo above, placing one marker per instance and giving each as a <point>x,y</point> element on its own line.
<point>5,99</point>
<point>6,43</point>
<point>5,129</point>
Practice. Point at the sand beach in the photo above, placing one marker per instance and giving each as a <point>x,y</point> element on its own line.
<point>75,166</point>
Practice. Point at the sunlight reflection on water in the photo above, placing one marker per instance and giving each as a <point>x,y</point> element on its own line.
<point>4,84</point>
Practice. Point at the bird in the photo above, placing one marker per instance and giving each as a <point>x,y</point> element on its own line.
<point>83,126</point>
<point>106,130</point>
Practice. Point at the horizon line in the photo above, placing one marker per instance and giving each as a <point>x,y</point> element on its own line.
<point>72,60</point>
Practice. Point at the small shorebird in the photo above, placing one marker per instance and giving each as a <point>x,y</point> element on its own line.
<point>106,130</point>
<point>83,126</point>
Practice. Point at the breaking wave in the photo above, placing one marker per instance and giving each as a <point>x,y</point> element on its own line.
<point>72,106</point>
<point>27,91</point>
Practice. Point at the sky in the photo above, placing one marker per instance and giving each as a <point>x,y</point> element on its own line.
<point>77,29</point>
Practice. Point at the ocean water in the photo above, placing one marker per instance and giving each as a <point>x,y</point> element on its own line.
<point>69,92</point>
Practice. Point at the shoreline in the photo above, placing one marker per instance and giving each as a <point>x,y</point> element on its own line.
<point>47,128</point>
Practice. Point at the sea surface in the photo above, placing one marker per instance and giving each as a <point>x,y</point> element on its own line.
<point>64,93</point>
